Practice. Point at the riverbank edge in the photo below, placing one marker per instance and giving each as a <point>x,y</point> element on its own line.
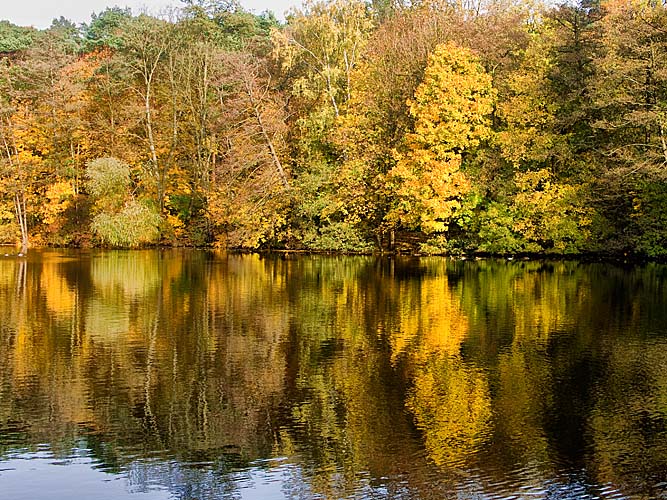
<point>606,257</point>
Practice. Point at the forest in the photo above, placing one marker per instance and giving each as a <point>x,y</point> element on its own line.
<point>437,127</point>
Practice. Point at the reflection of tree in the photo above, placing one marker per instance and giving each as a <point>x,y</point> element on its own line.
<point>518,314</point>
<point>452,406</point>
<point>60,297</point>
<point>219,360</point>
<point>628,421</point>
<point>166,351</point>
<point>522,397</point>
<point>126,274</point>
<point>449,398</point>
<point>346,417</point>
<point>429,318</point>
<point>555,335</point>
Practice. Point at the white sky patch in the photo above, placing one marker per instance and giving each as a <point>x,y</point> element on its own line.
<point>40,13</point>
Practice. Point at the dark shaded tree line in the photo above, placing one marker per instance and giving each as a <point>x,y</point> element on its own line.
<point>438,127</point>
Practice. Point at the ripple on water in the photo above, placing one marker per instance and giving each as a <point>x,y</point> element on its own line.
<point>38,475</point>
<point>532,481</point>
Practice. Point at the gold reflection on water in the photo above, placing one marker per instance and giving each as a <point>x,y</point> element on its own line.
<point>59,296</point>
<point>127,274</point>
<point>142,345</point>
<point>317,359</point>
<point>452,406</point>
<point>430,318</point>
<point>450,400</point>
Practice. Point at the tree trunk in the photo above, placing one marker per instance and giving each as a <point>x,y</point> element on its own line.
<point>19,195</point>
<point>19,206</point>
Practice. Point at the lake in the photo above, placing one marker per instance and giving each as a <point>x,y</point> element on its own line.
<point>183,374</point>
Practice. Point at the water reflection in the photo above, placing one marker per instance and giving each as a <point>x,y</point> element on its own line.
<point>184,374</point>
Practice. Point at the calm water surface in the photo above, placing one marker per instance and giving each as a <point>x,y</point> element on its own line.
<point>194,375</point>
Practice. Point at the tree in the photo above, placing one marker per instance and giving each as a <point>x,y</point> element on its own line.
<point>377,118</point>
<point>574,40</point>
<point>321,47</point>
<point>120,219</point>
<point>14,38</point>
<point>317,53</point>
<point>526,112</point>
<point>630,82</point>
<point>146,44</point>
<point>630,101</point>
<point>252,183</point>
<point>29,122</point>
<point>536,194</point>
<point>104,28</point>
<point>451,108</point>
<point>549,215</point>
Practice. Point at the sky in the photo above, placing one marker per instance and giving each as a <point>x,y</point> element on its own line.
<point>40,13</point>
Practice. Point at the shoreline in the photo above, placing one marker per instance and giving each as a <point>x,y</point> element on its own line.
<point>9,251</point>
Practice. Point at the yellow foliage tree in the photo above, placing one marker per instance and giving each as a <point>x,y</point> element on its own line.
<point>327,38</point>
<point>450,108</point>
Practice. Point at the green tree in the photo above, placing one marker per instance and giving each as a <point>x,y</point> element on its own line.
<point>536,187</point>
<point>317,53</point>
<point>15,38</point>
<point>119,220</point>
<point>104,29</point>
